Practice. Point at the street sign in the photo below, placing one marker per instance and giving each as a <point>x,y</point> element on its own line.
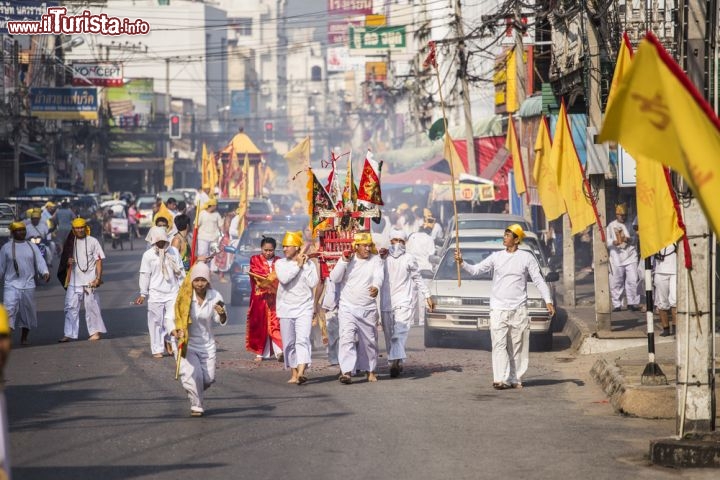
<point>377,40</point>
<point>240,104</point>
<point>66,103</point>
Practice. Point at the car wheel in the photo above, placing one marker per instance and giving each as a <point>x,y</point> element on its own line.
<point>236,299</point>
<point>541,342</point>
<point>432,337</point>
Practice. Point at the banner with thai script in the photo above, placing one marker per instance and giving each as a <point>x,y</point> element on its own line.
<point>22,10</point>
<point>66,103</point>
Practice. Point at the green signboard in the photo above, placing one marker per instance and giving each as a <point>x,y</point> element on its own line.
<point>377,40</point>
<point>131,113</point>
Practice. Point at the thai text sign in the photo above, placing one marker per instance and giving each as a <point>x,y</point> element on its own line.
<point>67,103</point>
<point>22,10</point>
<point>98,74</point>
<point>338,31</point>
<point>377,40</point>
<point>350,7</point>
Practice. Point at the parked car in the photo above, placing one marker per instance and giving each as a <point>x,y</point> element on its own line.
<point>249,245</point>
<point>465,309</point>
<point>7,215</point>
<point>177,195</point>
<point>144,205</point>
<point>478,221</point>
<point>259,209</point>
<point>85,205</point>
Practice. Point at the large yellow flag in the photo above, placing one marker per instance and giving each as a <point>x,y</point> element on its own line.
<point>453,158</point>
<point>242,205</point>
<point>205,168</point>
<point>657,218</point>
<point>568,172</point>
<point>659,115</point>
<point>622,65</point>
<point>544,175</point>
<point>512,145</point>
<point>298,160</point>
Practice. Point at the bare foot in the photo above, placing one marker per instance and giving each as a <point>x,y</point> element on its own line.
<point>371,377</point>
<point>293,380</point>
<point>94,336</point>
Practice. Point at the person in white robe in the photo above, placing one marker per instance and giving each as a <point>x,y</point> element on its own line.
<point>295,305</point>
<point>401,290</point>
<point>37,228</point>
<point>624,277</point>
<point>86,269</point>
<point>665,282</point>
<point>197,368</point>
<point>509,320</point>
<point>359,276</point>
<point>161,273</point>
<point>20,264</point>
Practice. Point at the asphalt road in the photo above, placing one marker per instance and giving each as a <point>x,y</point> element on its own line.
<point>108,410</point>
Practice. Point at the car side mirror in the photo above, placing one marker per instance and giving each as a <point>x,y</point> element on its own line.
<point>229,249</point>
<point>552,277</point>
<point>434,259</point>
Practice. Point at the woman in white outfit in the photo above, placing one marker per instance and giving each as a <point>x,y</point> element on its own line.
<point>297,279</point>
<point>197,368</point>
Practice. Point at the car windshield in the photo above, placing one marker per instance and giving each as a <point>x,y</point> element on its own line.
<point>447,270</point>
<point>260,208</point>
<point>486,223</point>
<point>6,211</point>
<point>145,203</point>
<point>254,232</point>
<point>529,242</point>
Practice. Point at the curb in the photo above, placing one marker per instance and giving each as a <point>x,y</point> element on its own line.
<point>635,400</point>
<point>575,330</point>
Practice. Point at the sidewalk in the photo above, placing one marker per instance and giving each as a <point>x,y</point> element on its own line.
<point>622,354</point>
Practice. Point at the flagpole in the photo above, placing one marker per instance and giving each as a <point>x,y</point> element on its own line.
<point>452,168</point>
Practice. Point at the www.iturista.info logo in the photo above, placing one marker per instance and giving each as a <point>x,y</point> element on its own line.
<point>56,21</point>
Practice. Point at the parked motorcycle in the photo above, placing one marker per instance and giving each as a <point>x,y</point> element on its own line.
<point>45,249</point>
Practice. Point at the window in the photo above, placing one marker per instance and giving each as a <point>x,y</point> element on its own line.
<point>316,74</point>
<point>242,26</point>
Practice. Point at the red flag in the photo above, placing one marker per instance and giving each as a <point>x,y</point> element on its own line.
<point>369,191</point>
<point>430,60</point>
<point>318,199</point>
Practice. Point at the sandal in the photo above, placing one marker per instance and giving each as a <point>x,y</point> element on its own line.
<point>345,379</point>
<point>302,379</point>
<point>516,385</point>
<point>500,386</point>
<point>64,340</point>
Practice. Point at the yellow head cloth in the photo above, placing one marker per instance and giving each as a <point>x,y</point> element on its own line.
<point>49,205</point>
<point>517,230</point>
<point>35,213</point>
<point>427,213</point>
<point>4,321</point>
<point>17,226</point>
<point>364,238</point>
<point>621,209</point>
<point>211,202</point>
<point>402,207</point>
<point>293,239</point>
<point>79,223</point>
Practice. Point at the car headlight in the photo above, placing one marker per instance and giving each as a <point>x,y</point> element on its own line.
<point>535,303</point>
<point>439,300</point>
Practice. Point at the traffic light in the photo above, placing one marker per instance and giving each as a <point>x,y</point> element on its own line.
<point>269,132</point>
<point>175,127</point>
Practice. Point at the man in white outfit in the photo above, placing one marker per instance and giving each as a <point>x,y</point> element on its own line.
<point>329,306</point>
<point>665,280</point>
<point>209,225</point>
<point>401,290</point>
<point>161,273</point>
<point>623,262</point>
<point>20,263</point>
<point>295,305</point>
<point>85,276</point>
<point>509,321</point>
<point>36,228</point>
<point>359,278</point>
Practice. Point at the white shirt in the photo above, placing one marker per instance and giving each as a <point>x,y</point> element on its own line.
<point>436,231</point>
<point>666,260</point>
<point>354,279</point>
<point>295,289</point>
<point>27,263</point>
<point>625,253</point>
<point>330,298</point>
<point>203,315</point>
<point>209,226</point>
<point>400,274</point>
<point>86,252</point>
<point>509,288</point>
<point>40,230</point>
<point>233,229</point>
<point>152,281</point>
<point>421,245</point>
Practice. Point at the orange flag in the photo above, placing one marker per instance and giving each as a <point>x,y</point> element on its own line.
<point>453,158</point>
<point>513,146</point>
<point>544,175</point>
<point>569,174</point>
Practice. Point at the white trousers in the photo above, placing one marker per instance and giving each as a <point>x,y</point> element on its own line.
<point>510,335</point>
<point>197,373</point>
<point>624,279</point>
<point>203,247</point>
<point>74,297</point>
<point>396,327</point>
<point>362,323</point>
<point>295,334</point>
<point>20,306</point>
<point>158,314</point>
<point>271,348</point>
<point>665,291</point>
<point>333,333</point>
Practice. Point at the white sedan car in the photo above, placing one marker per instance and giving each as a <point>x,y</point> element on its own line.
<point>466,309</point>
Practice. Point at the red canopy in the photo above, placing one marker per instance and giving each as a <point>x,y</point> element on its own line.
<point>425,174</point>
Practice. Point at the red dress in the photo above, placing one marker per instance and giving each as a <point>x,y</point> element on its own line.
<point>261,319</point>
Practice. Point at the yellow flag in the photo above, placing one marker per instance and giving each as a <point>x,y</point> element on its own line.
<point>205,168</point>
<point>298,160</point>
<point>213,174</point>
<point>657,217</point>
<point>568,172</point>
<point>512,145</point>
<point>544,175</point>
<point>657,114</point>
<point>242,205</point>
<point>622,65</point>
<point>453,158</point>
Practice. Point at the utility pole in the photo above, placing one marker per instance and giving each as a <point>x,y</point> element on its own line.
<point>168,142</point>
<point>695,375</point>
<point>469,136</point>
<point>600,252</point>
<point>520,95</point>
